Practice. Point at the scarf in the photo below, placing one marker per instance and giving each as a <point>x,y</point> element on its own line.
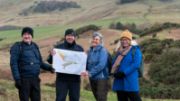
<point>118,60</point>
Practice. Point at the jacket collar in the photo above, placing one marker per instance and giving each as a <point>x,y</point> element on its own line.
<point>68,45</point>
<point>25,43</point>
<point>97,48</point>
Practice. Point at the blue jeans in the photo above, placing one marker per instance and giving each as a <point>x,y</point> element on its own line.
<point>67,87</point>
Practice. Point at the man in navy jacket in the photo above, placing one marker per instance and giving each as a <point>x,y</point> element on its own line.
<point>67,83</point>
<point>25,62</point>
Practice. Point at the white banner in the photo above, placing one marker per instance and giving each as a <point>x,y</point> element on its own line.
<point>70,62</point>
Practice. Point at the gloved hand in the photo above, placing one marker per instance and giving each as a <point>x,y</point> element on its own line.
<point>119,75</point>
<point>18,84</point>
<point>52,70</point>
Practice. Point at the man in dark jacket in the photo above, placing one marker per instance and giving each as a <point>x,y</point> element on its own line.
<point>25,62</point>
<point>67,83</point>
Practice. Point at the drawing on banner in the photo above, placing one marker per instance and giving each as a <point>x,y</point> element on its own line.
<point>71,62</point>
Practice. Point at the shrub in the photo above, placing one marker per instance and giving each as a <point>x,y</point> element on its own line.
<point>144,31</point>
<point>166,66</point>
<point>164,71</point>
<point>164,59</point>
<point>159,27</point>
<point>151,48</point>
<point>49,6</point>
<point>167,42</point>
<point>126,1</point>
<point>148,57</point>
<point>175,44</point>
<point>132,27</point>
<point>112,26</point>
<point>119,25</point>
<point>166,0</point>
<point>1,39</point>
<point>87,28</point>
<point>160,92</point>
<point>9,27</point>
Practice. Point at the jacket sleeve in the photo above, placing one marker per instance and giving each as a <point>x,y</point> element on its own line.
<point>43,65</point>
<point>14,61</point>
<point>50,59</point>
<point>101,63</point>
<point>136,62</point>
<point>46,66</point>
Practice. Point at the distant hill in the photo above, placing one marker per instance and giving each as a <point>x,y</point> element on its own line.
<point>149,11</point>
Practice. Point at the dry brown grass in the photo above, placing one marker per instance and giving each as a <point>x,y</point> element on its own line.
<point>91,10</point>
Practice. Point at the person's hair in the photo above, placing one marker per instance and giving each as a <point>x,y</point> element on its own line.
<point>28,30</point>
<point>98,34</point>
<point>70,31</point>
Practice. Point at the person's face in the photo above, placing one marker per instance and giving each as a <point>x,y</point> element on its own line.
<point>70,38</point>
<point>125,42</point>
<point>27,38</point>
<point>95,41</point>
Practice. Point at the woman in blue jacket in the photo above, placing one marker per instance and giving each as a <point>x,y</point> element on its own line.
<point>126,82</point>
<point>97,67</point>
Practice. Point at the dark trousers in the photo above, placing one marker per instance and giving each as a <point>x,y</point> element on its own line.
<point>99,89</point>
<point>126,96</point>
<point>30,89</point>
<point>67,87</point>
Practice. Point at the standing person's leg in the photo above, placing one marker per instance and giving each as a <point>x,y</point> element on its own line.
<point>61,90</point>
<point>74,91</point>
<point>24,91</point>
<point>35,93</point>
<point>102,90</point>
<point>20,94</point>
<point>134,96</point>
<point>93,84</point>
<point>121,95</point>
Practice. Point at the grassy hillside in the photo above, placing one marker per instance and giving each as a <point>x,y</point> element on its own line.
<point>142,11</point>
<point>51,26</point>
<point>8,37</point>
<point>9,93</point>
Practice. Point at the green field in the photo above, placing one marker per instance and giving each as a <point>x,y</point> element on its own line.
<point>11,36</point>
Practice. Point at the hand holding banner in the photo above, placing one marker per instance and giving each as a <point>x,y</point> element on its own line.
<point>70,62</point>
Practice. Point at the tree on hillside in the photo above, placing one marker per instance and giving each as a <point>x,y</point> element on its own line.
<point>166,0</point>
<point>49,6</point>
<point>126,1</point>
<point>119,25</point>
<point>87,28</point>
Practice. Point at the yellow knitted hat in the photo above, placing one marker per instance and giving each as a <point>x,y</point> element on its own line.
<point>126,34</point>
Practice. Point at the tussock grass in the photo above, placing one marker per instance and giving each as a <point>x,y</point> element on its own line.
<point>48,93</point>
